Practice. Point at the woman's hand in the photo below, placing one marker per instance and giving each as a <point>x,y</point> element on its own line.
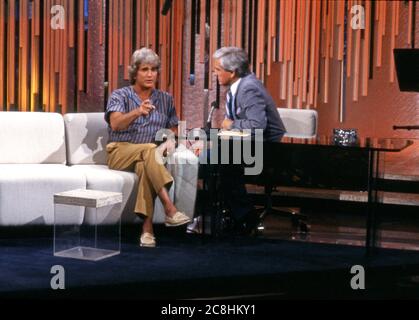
<point>145,108</point>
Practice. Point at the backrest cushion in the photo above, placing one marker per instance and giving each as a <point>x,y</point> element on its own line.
<point>87,136</point>
<point>32,137</point>
<point>299,123</point>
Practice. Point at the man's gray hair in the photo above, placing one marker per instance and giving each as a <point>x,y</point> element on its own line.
<point>142,56</point>
<point>233,59</point>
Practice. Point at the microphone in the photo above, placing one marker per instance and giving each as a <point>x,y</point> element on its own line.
<point>166,7</point>
<point>214,105</point>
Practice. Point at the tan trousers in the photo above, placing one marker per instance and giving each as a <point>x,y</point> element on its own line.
<point>141,159</point>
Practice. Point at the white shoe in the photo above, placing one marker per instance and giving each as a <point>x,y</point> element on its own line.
<point>177,220</point>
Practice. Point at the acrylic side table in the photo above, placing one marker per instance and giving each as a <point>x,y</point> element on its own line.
<point>95,240</point>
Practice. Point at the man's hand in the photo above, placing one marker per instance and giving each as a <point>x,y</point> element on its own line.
<point>227,124</point>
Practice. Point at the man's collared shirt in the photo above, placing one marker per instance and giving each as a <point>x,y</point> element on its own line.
<point>233,90</point>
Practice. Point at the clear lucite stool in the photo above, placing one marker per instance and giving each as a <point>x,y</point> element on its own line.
<point>94,235</point>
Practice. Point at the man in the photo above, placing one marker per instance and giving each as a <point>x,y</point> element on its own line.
<point>249,106</point>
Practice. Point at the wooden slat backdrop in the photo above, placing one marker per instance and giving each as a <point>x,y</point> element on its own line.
<point>298,40</point>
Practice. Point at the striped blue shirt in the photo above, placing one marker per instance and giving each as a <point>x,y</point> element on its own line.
<point>144,128</point>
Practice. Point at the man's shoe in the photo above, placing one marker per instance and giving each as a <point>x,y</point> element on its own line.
<point>147,240</point>
<point>177,220</point>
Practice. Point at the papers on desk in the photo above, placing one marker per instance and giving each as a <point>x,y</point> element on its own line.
<point>233,133</point>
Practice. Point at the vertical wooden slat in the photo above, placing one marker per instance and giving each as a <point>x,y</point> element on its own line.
<point>306,51</point>
<point>2,53</point>
<point>121,23</point>
<point>111,24</point>
<point>11,55</point>
<point>397,17</point>
<point>80,46</point>
<point>226,24</point>
<point>202,32</point>
<point>71,38</point>
<point>327,54</point>
<point>299,24</point>
<point>115,51</point>
<point>380,33</point>
<point>51,74</point>
<point>239,10</point>
<point>292,51</point>
<point>392,39</point>
<point>271,18</point>
<point>127,36</point>
<point>349,46</point>
<point>144,25</point>
<point>281,30</point>
<point>163,53</point>
<point>384,16</point>
<point>152,24</point>
<point>101,23</point>
<point>357,52</point>
<point>260,38</point>
<point>332,27</point>
<point>213,37</point>
<point>23,55</point>
<point>45,65</point>
<point>64,70</point>
<point>274,24</point>
<point>253,30</point>
<point>316,71</point>
<point>313,49</point>
<point>409,23</point>
<point>139,17</point>
<point>177,41</point>
<point>341,24</point>
<point>233,30</point>
<point>366,49</point>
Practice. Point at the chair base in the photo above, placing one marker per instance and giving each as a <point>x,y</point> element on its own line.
<point>298,220</point>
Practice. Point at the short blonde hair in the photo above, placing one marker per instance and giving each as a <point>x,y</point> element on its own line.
<point>143,55</point>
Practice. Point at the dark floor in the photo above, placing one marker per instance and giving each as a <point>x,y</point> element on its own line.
<point>281,262</point>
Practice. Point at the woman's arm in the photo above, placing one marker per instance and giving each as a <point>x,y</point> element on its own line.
<point>121,121</point>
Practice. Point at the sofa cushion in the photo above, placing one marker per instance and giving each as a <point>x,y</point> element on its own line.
<point>100,177</point>
<point>32,137</point>
<point>26,193</point>
<point>299,123</point>
<point>86,137</point>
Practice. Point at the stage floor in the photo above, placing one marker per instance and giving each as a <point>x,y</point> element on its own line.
<point>185,266</point>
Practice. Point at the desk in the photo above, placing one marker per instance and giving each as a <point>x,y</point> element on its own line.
<point>353,167</point>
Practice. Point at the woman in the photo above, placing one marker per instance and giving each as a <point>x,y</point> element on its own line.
<point>135,114</point>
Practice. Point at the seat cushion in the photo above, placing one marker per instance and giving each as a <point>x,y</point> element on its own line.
<point>32,137</point>
<point>26,192</point>
<point>100,177</point>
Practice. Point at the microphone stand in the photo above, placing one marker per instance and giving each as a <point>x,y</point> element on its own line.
<point>214,105</point>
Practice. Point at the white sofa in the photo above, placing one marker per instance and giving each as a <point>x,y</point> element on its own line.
<point>45,153</point>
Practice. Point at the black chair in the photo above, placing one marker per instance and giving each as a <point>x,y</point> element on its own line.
<point>299,123</point>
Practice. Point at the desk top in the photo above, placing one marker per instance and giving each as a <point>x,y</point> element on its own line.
<point>378,144</point>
